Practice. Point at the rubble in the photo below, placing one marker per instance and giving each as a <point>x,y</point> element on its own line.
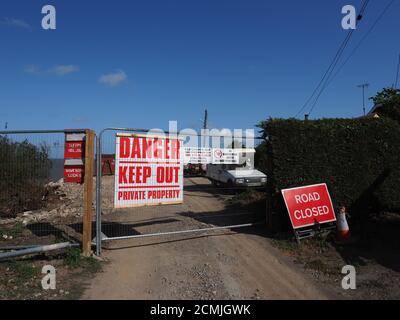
<point>62,200</point>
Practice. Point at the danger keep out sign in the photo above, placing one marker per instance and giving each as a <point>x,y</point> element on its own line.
<point>148,170</point>
<point>309,205</point>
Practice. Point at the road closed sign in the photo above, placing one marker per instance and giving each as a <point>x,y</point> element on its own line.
<point>309,205</point>
<point>148,171</point>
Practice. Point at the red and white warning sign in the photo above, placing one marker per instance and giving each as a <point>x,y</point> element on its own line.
<point>309,205</point>
<point>148,170</point>
<point>74,170</point>
<point>74,147</point>
<point>225,156</point>
<point>74,153</point>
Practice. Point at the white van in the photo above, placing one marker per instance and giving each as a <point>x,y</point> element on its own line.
<point>236,175</point>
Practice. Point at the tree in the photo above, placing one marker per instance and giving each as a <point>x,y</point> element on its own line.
<point>24,169</point>
<point>389,101</point>
<point>387,96</point>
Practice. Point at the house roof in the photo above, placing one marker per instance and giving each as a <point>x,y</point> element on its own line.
<point>374,109</point>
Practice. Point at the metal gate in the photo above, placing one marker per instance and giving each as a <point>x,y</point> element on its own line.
<point>162,220</point>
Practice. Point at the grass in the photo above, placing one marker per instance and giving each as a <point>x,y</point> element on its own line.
<point>85,268</point>
<point>22,270</point>
<point>74,259</point>
<point>317,244</point>
<point>16,231</point>
<point>21,279</point>
<point>315,264</point>
<point>286,245</point>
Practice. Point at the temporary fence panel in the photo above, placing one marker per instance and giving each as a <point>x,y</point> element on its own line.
<point>130,204</point>
<point>36,206</point>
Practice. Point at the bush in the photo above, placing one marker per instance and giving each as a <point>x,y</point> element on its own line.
<point>357,158</point>
<point>388,101</point>
<point>24,168</point>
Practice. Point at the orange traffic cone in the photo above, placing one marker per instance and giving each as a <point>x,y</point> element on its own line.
<point>342,226</point>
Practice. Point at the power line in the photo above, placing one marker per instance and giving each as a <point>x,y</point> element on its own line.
<point>322,83</point>
<point>324,76</point>
<point>362,10</point>
<point>330,73</point>
<point>362,40</point>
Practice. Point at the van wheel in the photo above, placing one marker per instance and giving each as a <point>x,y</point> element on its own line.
<point>231,187</point>
<point>214,182</point>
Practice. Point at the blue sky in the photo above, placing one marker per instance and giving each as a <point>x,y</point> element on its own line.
<point>142,63</point>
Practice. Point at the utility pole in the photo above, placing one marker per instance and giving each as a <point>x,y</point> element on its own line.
<point>205,125</point>
<point>205,119</point>
<point>363,86</point>
<point>397,74</point>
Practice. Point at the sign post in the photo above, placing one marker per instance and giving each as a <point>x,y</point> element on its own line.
<point>88,194</point>
<point>308,206</point>
<point>148,170</point>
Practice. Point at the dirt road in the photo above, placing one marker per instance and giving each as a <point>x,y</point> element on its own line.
<point>238,264</point>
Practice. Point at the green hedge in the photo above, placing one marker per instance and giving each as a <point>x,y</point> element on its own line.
<point>359,159</point>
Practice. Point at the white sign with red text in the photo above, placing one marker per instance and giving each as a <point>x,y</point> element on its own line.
<point>148,170</point>
<point>195,155</point>
<point>225,156</point>
<point>309,205</point>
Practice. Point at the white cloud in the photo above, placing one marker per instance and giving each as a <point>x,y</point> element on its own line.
<point>113,79</point>
<point>64,69</point>
<point>12,22</point>
<point>32,69</point>
<point>80,119</point>
<point>59,70</point>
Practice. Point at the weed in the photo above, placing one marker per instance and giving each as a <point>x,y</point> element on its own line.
<point>316,264</point>
<point>22,270</point>
<point>286,245</point>
<point>74,259</point>
<point>15,231</point>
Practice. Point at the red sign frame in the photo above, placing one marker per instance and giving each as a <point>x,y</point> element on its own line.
<point>309,205</point>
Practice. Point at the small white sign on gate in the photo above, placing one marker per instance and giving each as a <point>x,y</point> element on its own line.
<point>197,155</point>
<point>148,170</point>
<point>225,156</point>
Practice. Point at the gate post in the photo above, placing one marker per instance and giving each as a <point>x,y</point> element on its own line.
<point>98,193</point>
<point>88,194</point>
